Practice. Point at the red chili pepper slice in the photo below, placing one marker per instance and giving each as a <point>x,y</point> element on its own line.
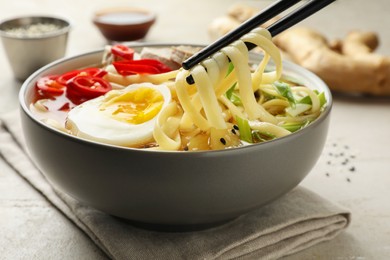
<point>100,73</point>
<point>63,79</point>
<point>87,87</point>
<point>123,52</point>
<point>95,72</point>
<point>144,66</point>
<point>65,107</point>
<point>155,63</point>
<point>75,97</point>
<point>50,86</point>
<point>131,69</point>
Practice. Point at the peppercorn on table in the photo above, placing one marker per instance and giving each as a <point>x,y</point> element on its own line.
<point>353,170</point>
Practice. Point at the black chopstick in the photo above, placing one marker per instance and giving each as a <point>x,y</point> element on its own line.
<point>282,24</point>
<point>267,14</point>
<point>297,15</point>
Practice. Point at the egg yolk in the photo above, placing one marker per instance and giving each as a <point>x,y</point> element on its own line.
<point>135,106</point>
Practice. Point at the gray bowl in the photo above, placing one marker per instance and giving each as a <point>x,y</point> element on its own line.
<point>172,188</point>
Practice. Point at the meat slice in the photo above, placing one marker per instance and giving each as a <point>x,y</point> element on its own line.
<point>170,56</point>
<point>182,52</point>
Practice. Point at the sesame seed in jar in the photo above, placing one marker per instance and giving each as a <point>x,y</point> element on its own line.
<point>33,30</point>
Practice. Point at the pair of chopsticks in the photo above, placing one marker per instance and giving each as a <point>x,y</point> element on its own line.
<point>270,12</point>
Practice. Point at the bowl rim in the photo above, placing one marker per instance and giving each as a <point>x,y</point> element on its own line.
<point>63,30</point>
<point>292,66</point>
<point>151,16</point>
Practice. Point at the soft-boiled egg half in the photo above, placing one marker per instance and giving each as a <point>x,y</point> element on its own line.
<point>123,117</point>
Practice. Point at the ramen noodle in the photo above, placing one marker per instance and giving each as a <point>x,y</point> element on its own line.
<point>230,103</point>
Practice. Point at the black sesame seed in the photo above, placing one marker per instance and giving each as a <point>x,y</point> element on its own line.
<point>234,131</point>
<point>327,174</point>
<point>348,180</point>
<point>223,141</point>
<point>345,162</point>
<point>329,162</point>
<point>352,169</point>
<point>190,80</point>
<point>185,148</point>
<point>236,127</point>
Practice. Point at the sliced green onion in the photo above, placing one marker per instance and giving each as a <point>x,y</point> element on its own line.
<point>230,68</point>
<point>322,99</point>
<point>245,129</point>
<point>232,96</point>
<point>262,136</point>
<point>284,90</point>
<point>305,100</point>
<point>293,127</point>
<point>297,109</point>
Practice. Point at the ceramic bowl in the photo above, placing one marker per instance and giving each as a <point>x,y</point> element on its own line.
<point>124,24</point>
<point>172,188</point>
<point>31,42</point>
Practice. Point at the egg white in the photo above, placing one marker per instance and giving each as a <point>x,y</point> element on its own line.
<point>89,122</point>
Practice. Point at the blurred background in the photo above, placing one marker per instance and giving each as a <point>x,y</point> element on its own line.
<point>177,19</point>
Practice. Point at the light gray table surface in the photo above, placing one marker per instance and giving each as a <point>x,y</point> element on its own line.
<point>31,228</point>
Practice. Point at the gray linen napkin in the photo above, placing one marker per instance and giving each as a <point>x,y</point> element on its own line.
<point>296,221</point>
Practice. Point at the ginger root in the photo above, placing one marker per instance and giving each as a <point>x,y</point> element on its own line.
<point>350,66</point>
<point>236,15</point>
